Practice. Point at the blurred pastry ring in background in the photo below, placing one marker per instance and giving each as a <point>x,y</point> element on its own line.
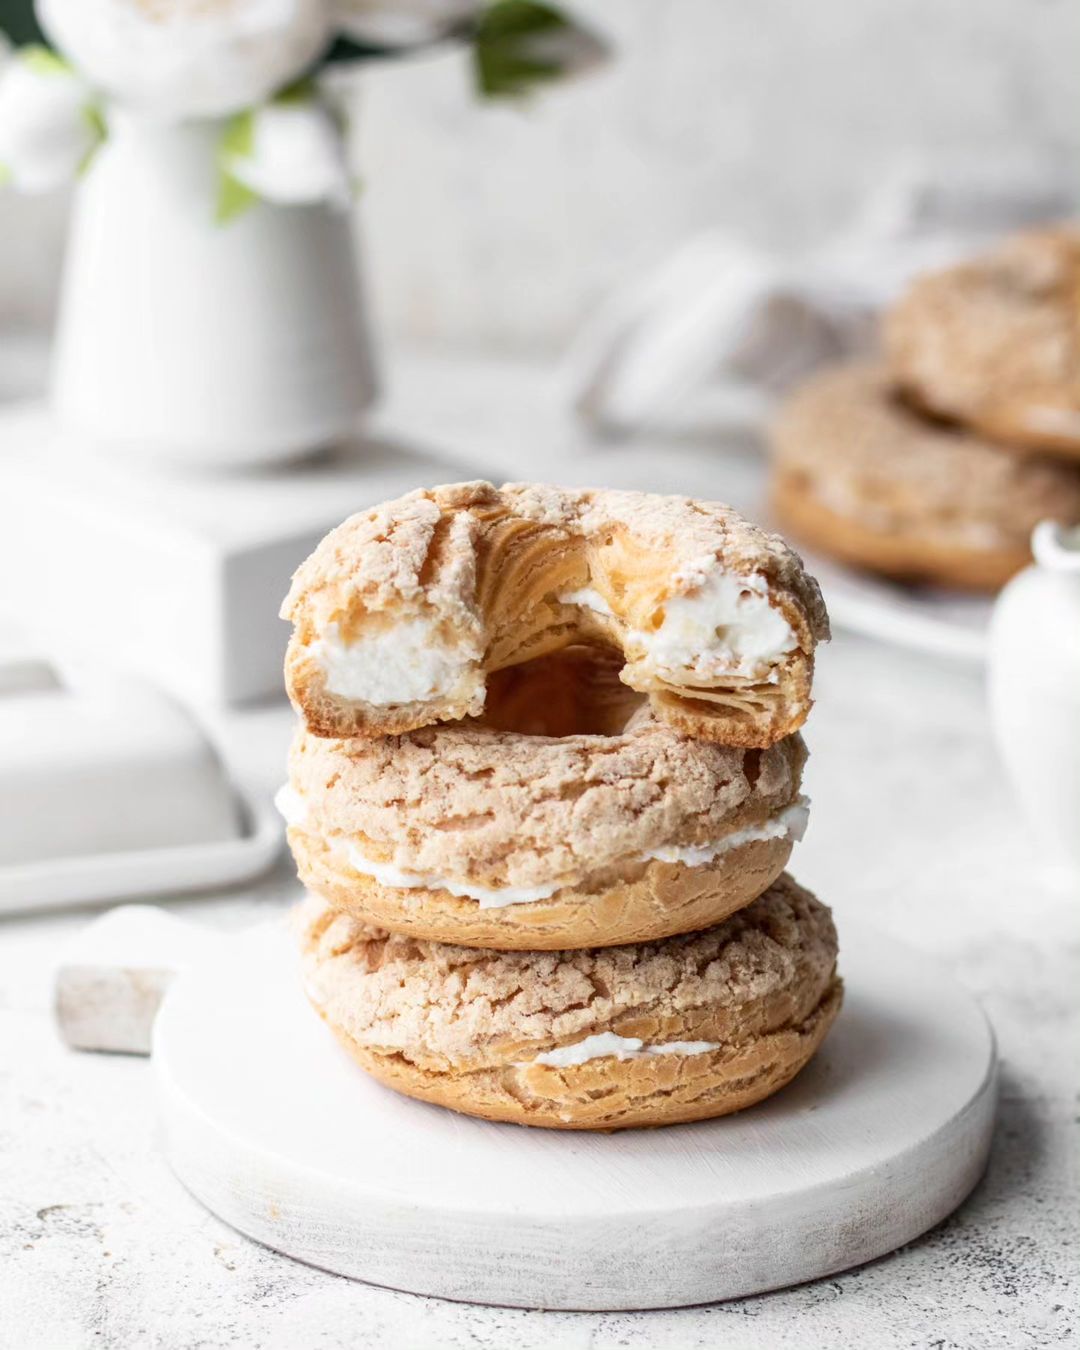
<point>607,827</point>
<point>696,1026</point>
<point>995,343</point>
<point>859,476</point>
<point>404,611</point>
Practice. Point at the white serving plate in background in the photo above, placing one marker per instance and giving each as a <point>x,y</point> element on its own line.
<point>944,623</point>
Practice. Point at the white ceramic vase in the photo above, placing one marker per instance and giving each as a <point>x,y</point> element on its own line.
<point>182,339</point>
<point>1034,685</point>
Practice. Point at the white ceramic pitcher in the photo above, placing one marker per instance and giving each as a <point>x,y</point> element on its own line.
<point>1034,685</point>
<point>219,344</point>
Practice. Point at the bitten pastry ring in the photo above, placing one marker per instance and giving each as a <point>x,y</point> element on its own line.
<point>995,343</point>
<point>497,838</point>
<point>858,475</point>
<point>693,1027</point>
<point>404,611</point>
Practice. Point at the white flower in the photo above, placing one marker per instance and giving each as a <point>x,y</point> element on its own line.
<point>290,151</point>
<point>48,127</point>
<point>188,58</point>
<point>382,23</point>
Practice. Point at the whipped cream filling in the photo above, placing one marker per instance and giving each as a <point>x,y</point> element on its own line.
<point>487,897</point>
<point>721,624</point>
<point>406,662</point>
<point>587,598</point>
<point>790,823</point>
<point>604,1045</point>
<point>607,1045</point>
<point>291,806</point>
<point>294,808</point>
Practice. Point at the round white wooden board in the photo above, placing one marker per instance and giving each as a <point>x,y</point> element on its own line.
<point>272,1126</point>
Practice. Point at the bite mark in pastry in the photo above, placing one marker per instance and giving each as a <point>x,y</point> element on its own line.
<point>403,613</point>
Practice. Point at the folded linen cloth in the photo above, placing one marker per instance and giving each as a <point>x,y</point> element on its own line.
<point>725,316</point>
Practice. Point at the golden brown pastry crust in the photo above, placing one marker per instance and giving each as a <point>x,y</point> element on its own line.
<point>637,903</point>
<point>464,1028</point>
<point>897,556</point>
<point>575,815</point>
<point>485,567</point>
<point>995,343</point>
<point>614,1095</point>
<point>861,477</point>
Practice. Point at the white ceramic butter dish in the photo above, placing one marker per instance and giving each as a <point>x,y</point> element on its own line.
<point>109,789</point>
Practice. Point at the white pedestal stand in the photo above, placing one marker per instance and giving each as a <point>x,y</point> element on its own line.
<point>176,575</point>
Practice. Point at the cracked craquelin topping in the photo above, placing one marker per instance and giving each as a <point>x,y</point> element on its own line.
<point>434,999</point>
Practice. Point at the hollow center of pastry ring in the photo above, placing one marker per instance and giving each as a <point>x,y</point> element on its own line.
<point>572,692</point>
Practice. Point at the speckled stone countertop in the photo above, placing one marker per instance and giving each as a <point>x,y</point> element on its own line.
<point>912,823</point>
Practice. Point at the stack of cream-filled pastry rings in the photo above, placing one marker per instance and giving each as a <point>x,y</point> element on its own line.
<point>545,786</point>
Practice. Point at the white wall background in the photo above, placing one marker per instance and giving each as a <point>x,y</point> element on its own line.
<point>499,226</point>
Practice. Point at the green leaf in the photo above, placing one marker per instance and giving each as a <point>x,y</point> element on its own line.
<point>234,198</point>
<point>19,22</point>
<point>503,75</point>
<point>42,60</point>
<point>517,18</point>
<point>349,49</point>
<point>5,175</point>
<point>237,137</point>
<point>95,117</point>
<point>99,129</point>
<point>237,142</point>
<point>503,65</point>
<point>300,91</point>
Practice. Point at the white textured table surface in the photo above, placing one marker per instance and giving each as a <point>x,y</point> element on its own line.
<point>100,1246</point>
